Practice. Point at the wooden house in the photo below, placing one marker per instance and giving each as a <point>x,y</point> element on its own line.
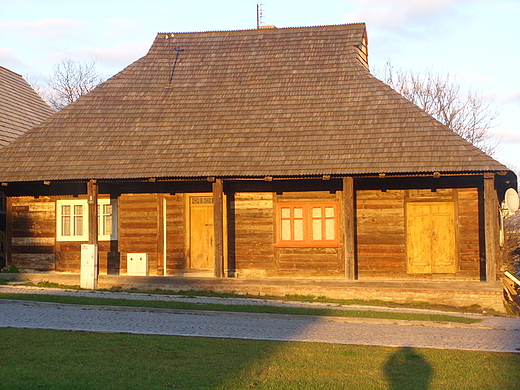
<point>21,108</point>
<point>269,153</point>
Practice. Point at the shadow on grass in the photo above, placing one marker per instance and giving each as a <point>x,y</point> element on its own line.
<point>408,369</point>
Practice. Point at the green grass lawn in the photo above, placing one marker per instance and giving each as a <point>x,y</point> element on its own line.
<point>321,311</point>
<point>46,359</point>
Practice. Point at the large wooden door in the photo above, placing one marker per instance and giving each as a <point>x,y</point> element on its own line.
<point>431,241</point>
<point>201,232</point>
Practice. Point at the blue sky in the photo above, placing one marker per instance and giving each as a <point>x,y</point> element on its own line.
<point>476,41</point>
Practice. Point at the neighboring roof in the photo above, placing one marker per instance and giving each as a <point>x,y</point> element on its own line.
<point>253,103</point>
<point>21,108</point>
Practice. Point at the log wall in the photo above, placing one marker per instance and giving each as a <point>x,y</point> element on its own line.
<point>469,230</point>
<point>33,233</point>
<point>251,239</point>
<point>33,238</point>
<point>251,235</point>
<point>310,262</point>
<point>381,232</point>
<point>175,234</point>
<point>139,229</point>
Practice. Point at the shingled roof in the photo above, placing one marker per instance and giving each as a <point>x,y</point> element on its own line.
<point>254,103</point>
<point>21,108</point>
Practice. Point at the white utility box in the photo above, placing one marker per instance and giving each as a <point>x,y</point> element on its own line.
<point>89,266</point>
<point>137,264</point>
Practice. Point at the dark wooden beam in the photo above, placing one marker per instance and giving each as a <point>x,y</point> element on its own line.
<point>8,231</point>
<point>92,196</point>
<point>490,226</point>
<point>349,238</point>
<point>218,226</point>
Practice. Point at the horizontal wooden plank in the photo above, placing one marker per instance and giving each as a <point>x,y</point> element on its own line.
<point>378,195</point>
<point>305,196</point>
<point>380,249</point>
<point>254,195</point>
<point>260,263</point>
<point>32,241</point>
<point>243,222</point>
<point>253,204</point>
<point>31,260</point>
<point>308,250</point>
<point>470,266</point>
<point>445,194</point>
<point>32,249</point>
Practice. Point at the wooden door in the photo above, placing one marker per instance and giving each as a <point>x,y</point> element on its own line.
<point>431,243</point>
<point>201,232</point>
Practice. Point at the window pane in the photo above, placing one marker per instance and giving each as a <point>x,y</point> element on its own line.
<point>107,209</point>
<point>65,225</point>
<point>105,219</point>
<point>65,220</point>
<point>329,212</point>
<point>330,231</point>
<point>78,220</point>
<point>286,212</point>
<point>78,225</point>
<point>65,210</point>
<point>316,212</point>
<point>286,230</point>
<point>78,209</point>
<point>316,229</point>
<point>298,212</point>
<point>298,229</point>
<point>107,225</point>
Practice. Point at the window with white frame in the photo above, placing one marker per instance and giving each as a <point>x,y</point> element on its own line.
<point>72,220</point>
<point>107,219</point>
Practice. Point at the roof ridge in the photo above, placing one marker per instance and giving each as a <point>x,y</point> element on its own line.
<point>263,29</point>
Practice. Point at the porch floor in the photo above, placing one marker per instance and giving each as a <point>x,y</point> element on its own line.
<point>452,293</point>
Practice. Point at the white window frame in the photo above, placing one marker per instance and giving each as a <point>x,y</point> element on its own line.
<point>101,225</point>
<point>84,234</point>
<point>59,218</point>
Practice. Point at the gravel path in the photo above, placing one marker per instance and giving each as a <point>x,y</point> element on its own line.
<point>492,334</point>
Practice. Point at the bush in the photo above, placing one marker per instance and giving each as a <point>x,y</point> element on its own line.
<point>10,270</point>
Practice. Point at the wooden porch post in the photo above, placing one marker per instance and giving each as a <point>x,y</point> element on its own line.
<point>490,226</point>
<point>92,194</point>
<point>8,231</point>
<point>349,227</point>
<point>218,226</point>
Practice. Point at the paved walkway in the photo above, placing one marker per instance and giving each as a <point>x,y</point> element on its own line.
<point>492,334</point>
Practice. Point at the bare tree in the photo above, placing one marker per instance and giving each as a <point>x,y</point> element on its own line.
<point>472,116</point>
<point>69,81</point>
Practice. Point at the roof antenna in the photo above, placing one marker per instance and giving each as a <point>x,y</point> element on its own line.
<point>259,13</point>
<point>178,50</point>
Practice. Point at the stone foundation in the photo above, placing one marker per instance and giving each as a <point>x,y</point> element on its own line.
<point>459,294</point>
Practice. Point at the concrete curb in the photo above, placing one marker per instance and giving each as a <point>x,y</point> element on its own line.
<point>356,320</point>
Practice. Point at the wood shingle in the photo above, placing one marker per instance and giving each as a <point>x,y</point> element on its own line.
<point>269,102</point>
<point>20,107</point>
